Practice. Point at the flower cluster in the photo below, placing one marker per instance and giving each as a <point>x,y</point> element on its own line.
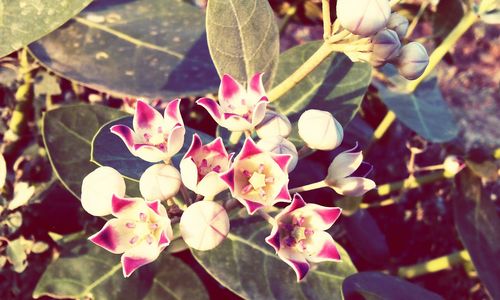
<point>379,35</point>
<point>257,177</point>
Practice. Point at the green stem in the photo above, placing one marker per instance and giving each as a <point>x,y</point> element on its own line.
<point>235,137</point>
<point>410,183</point>
<point>305,69</point>
<point>309,187</point>
<point>382,128</point>
<point>435,265</point>
<point>496,153</point>
<point>24,97</point>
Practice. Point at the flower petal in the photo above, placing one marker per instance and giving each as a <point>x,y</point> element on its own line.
<point>256,86</point>
<point>146,118</point>
<point>259,111</point>
<point>213,108</point>
<point>319,217</point>
<point>172,114</point>
<point>228,178</point>
<point>297,203</point>
<point>295,260</point>
<point>98,188</point>
<point>196,145</point>
<point>321,247</point>
<point>175,140</point>
<point>251,206</point>
<point>149,153</point>
<point>274,238</point>
<point>234,122</point>
<point>217,146</point>
<point>284,194</point>
<point>115,236</point>
<point>210,185</point>
<point>230,91</point>
<point>129,208</point>
<point>283,160</point>
<point>249,149</point>
<point>344,165</point>
<point>126,134</point>
<point>189,173</point>
<point>353,186</point>
<point>139,256</point>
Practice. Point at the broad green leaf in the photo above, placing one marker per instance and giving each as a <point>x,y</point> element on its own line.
<point>478,226</point>
<point>424,111</point>
<point>22,22</point>
<point>243,38</point>
<point>109,150</point>
<point>336,85</point>
<point>87,271</point>
<point>142,48</point>
<point>378,286</point>
<point>249,267</point>
<point>367,238</point>
<point>68,133</point>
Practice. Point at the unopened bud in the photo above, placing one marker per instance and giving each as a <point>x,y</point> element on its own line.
<point>386,46</point>
<point>363,17</point>
<point>204,225</point>
<point>399,24</point>
<point>280,145</point>
<point>160,182</point>
<point>274,124</point>
<point>98,188</point>
<point>320,130</point>
<point>452,165</point>
<point>412,60</point>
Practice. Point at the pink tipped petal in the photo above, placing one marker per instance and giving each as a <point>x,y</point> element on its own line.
<point>149,153</point>
<point>249,149</point>
<point>235,122</point>
<point>172,114</point>
<point>164,241</point>
<point>119,204</point>
<point>284,195</point>
<point>353,186</point>
<point>155,206</point>
<point>321,217</point>
<point>139,256</point>
<point>212,107</point>
<point>128,208</point>
<point>175,140</point>
<point>115,236</point>
<point>325,247</point>
<point>146,117</point>
<point>251,206</point>
<point>125,133</point>
<point>344,165</point>
<point>295,260</point>
<point>259,111</point>
<point>217,146</point>
<point>230,90</point>
<point>255,85</point>
<point>228,178</point>
<point>196,145</point>
<point>274,239</point>
<point>283,160</point>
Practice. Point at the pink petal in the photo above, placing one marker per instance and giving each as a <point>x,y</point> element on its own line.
<point>125,133</point>
<point>217,146</point>
<point>249,149</point>
<point>320,217</point>
<point>295,260</point>
<point>212,107</point>
<point>115,236</point>
<point>284,195</point>
<point>353,186</point>
<point>255,85</point>
<point>128,208</point>
<point>274,238</point>
<point>297,203</point>
<point>251,206</point>
<point>283,160</point>
<point>146,117</point>
<point>164,241</point>
<point>172,113</point>
<point>139,256</point>
<point>155,206</point>
<point>230,90</point>
<point>196,145</point>
<point>327,250</point>
<point>228,178</point>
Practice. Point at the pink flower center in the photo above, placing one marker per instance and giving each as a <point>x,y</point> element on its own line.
<point>145,229</point>
<point>295,233</point>
<point>257,181</point>
<point>158,139</point>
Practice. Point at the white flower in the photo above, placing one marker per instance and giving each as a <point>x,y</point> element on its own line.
<point>204,225</point>
<point>160,182</point>
<point>412,60</point>
<point>274,124</point>
<point>363,17</point>
<point>98,187</point>
<point>320,130</point>
<point>280,145</point>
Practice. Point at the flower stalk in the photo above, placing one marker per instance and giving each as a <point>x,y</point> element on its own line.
<point>435,265</point>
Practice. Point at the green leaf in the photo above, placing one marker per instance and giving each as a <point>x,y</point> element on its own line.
<point>424,111</point>
<point>378,286</point>
<point>142,48</point>
<point>243,38</point>
<point>22,22</point>
<point>88,271</point>
<point>17,254</point>
<point>478,226</point>
<point>67,133</point>
<point>249,267</point>
<point>109,150</point>
<point>336,85</point>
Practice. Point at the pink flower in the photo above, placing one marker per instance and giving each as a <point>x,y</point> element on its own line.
<point>239,109</point>
<point>299,236</point>
<point>339,174</point>
<point>201,165</point>
<point>154,137</point>
<point>141,230</point>
<point>258,178</point>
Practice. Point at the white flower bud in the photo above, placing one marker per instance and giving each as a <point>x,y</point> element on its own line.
<point>412,60</point>
<point>274,124</point>
<point>160,182</point>
<point>399,24</point>
<point>386,45</point>
<point>452,165</point>
<point>204,225</point>
<point>280,145</point>
<point>98,188</point>
<point>363,17</point>
<point>320,130</point>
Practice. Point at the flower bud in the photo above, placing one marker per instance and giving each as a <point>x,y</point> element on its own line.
<point>274,124</point>
<point>204,225</point>
<point>320,130</point>
<point>399,24</point>
<point>452,165</point>
<point>412,60</point>
<point>98,188</point>
<point>386,46</point>
<point>160,182</point>
<point>280,145</point>
<point>363,17</point>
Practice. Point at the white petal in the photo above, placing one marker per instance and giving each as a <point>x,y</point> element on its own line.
<point>210,185</point>
<point>353,186</point>
<point>189,173</point>
<point>160,182</point>
<point>344,165</point>
<point>98,188</point>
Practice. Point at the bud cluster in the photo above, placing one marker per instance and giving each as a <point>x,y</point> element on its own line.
<point>376,35</point>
